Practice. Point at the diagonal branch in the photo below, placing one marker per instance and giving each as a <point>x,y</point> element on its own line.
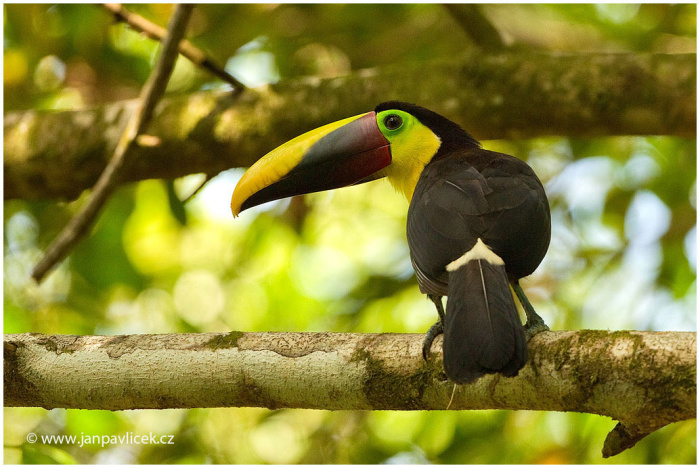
<point>644,380</point>
<point>186,48</point>
<point>110,177</point>
<point>475,25</point>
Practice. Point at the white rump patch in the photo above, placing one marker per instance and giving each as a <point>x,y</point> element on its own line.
<point>480,251</point>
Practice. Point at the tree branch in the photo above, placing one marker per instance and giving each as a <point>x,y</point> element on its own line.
<point>186,48</point>
<point>644,380</point>
<point>152,90</point>
<point>477,26</point>
<point>60,154</point>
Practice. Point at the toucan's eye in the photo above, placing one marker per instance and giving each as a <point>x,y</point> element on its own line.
<point>392,121</point>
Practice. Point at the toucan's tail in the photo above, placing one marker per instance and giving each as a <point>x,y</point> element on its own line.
<point>483,333</point>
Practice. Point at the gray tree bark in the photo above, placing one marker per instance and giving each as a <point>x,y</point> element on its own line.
<point>507,95</point>
<point>644,380</point>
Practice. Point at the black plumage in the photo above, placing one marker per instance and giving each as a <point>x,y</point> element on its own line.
<point>472,194</point>
<point>465,194</point>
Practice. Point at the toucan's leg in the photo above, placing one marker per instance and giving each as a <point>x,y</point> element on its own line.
<point>534,323</point>
<point>437,328</point>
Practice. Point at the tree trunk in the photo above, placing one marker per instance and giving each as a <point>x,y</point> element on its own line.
<point>644,380</point>
<point>508,95</point>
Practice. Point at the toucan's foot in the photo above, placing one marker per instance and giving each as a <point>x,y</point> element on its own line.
<point>534,323</point>
<point>437,328</point>
<point>433,333</point>
<point>533,328</point>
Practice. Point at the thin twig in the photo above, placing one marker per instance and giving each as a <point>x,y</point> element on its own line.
<point>186,48</point>
<point>476,26</point>
<point>198,189</point>
<point>151,92</point>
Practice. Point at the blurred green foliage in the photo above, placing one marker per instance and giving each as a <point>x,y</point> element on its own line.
<point>623,253</point>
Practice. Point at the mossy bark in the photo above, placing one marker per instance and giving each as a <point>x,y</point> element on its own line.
<point>644,380</point>
<point>507,95</point>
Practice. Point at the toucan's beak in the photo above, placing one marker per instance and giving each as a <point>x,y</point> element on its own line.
<point>335,155</point>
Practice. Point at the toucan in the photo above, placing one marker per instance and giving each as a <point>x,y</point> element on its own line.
<point>478,221</point>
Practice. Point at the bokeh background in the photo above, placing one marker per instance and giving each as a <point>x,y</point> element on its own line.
<point>623,252</point>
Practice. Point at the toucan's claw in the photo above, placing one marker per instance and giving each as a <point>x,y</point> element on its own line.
<point>437,327</point>
<point>433,333</point>
<point>533,327</point>
<point>534,324</point>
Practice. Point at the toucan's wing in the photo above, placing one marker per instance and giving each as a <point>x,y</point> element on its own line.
<point>470,195</point>
<point>521,232</point>
<point>445,218</point>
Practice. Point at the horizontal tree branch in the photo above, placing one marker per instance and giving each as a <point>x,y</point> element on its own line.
<point>644,380</point>
<point>508,95</point>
